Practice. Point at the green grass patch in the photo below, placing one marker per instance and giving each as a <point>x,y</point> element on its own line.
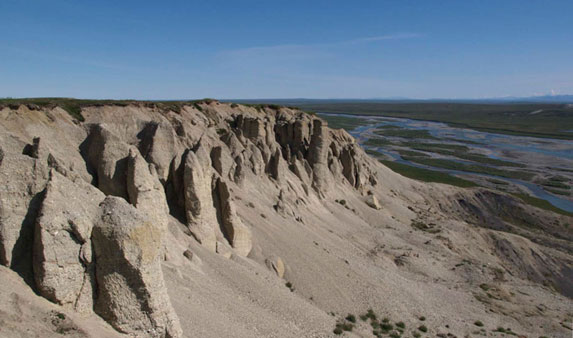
<point>558,191</point>
<point>498,182</point>
<point>474,168</point>
<point>430,228</point>
<point>484,287</point>
<point>435,147</point>
<point>374,153</point>
<point>506,331</point>
<point>461,152</point>
<point>542,204</point>
<point>427,175</point>
<point>377,142</point>
<point>406,133</point>
<point>556,184</point>
<point>403,152</point>
<point>344,122</point>
<point>388,126</point>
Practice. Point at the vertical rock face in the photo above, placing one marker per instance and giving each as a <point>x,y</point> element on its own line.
<point>63,264</point>
<point>318,155</point>
<point>222,160</point>
<point>131,290</point>
<point>238,235</point>
<point>252,128</point>
<point>145,191</point>
<point>158,146</point>
<point>277,166</point>
<point>348,167</point>
<point>200,213</point>
<point>22,181</point>
<point>107,157</point>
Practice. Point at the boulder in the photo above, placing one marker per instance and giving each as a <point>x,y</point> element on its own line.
<point>131,290</point>
<point>279,267</point>
<point>63,264</point>
<point>372,202</point>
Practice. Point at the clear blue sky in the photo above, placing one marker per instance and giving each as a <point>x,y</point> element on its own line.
<point>283,49</point>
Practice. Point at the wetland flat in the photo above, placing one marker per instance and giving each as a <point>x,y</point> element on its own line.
<point>537,169</point>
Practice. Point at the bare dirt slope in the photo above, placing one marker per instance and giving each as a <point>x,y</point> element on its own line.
<point>223,220</point>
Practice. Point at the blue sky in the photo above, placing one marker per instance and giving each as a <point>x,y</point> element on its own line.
<point>283,49</point>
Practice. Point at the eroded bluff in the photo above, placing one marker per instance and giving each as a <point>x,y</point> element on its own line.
<point>85,206</point>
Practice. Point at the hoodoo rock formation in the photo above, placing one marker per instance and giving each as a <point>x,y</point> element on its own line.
<point>188,219</point>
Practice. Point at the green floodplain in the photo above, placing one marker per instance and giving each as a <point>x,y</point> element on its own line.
<point>530,119</point>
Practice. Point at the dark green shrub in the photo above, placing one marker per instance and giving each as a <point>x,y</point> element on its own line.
<point>337,331</point>
<point>198,107</point>
<point>386,327</point>
<point>478,323</point>
<point>347,327</point>
<point>423,328</point>
<point>370,313</point>
<point>484,287</point>
<point>401,325</point>
<point>351,318</point>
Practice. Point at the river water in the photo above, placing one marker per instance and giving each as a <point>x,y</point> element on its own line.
<point>540,155</point>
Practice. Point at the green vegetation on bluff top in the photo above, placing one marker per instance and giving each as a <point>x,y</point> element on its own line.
<point>74,106</point>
